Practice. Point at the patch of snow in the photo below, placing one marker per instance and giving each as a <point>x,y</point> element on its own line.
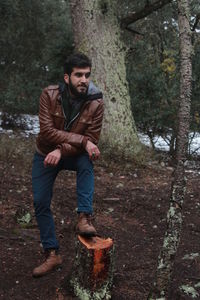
<point>161,144</point>
<point>31,123</point>
<point>32,126</point>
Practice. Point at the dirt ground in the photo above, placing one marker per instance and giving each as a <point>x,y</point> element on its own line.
<point>130,205</point>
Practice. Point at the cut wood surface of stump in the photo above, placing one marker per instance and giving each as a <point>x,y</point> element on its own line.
<point>92,274</point>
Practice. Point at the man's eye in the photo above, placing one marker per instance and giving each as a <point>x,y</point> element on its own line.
<point>79,75</point>
<point>87,75</point>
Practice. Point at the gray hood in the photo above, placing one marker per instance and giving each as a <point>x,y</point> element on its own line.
<point>93,92</point>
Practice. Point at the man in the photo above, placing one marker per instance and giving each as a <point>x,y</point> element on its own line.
<point>70,123</point>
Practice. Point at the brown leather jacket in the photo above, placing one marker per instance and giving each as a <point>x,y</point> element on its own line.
<point>86,125</point>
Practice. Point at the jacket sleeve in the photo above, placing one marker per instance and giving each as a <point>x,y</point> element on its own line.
<point>93,131</point>
<point>69,150</point>
<point>49,132</point>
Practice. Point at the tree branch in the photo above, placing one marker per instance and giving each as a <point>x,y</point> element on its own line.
<point>196,22</point>
<point>133,31</point>
<point>144,12</point>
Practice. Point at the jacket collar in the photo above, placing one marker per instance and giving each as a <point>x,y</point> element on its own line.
<point>92,94</point>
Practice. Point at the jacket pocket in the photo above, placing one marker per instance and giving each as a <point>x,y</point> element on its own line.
<point>80,125</point>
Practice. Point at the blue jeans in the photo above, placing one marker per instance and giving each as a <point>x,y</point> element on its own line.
<point>42,181</point>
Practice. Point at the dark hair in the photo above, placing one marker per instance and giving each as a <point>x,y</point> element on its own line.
<point>77,60</point>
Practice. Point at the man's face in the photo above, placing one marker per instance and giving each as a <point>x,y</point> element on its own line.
<point>78,81</point>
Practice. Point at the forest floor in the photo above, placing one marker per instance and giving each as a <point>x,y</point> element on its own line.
<point>130,205</point>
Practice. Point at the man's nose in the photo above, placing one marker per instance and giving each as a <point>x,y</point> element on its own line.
<point>83,79</point>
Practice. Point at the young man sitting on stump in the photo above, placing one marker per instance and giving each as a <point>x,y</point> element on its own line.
<point>70,118</point>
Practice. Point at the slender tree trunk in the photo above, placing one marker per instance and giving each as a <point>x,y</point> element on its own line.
<point>174,216</point>
<point>97,33</point>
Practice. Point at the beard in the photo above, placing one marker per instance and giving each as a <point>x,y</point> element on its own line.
<point>74,91</point>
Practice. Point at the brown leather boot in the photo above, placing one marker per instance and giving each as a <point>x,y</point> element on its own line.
<point>84,226</point>
<point>52,261</point>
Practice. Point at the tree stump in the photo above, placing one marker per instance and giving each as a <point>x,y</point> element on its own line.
<point>92,274</point>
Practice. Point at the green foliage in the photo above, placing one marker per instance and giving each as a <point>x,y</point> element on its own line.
<point>153,74</point>
<point>153,77</point>
<point>35,39</point>
<point>153,105</point>
<point>25,219</point>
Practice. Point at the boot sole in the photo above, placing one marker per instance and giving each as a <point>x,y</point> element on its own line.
<point>86,234</point>
<point>48,272</point>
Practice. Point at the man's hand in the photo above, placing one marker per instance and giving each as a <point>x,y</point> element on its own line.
<point>53,158</point>
<point>92,150</point>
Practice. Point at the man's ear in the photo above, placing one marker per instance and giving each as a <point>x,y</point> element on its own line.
<point>66,78</point>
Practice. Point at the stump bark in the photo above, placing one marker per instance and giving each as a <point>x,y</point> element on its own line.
<point>92,274</point>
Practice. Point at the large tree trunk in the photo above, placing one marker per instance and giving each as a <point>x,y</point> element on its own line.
<point>174,217</point>
<point>97,33</point>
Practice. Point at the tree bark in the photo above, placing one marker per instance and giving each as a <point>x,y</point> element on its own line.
<point>144,12</point>
<point>97,33</point>
<point>174,216</point>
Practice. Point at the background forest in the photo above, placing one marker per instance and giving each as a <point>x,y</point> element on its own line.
<point>141,53</point>
<point>36,37</point>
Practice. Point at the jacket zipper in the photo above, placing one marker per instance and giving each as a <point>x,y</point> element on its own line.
<point>72,120</point>
<point>76,116</point>
<point>66,127</point>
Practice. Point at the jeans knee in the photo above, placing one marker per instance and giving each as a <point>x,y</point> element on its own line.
<point>41,203</point>
<point>84,163</point>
